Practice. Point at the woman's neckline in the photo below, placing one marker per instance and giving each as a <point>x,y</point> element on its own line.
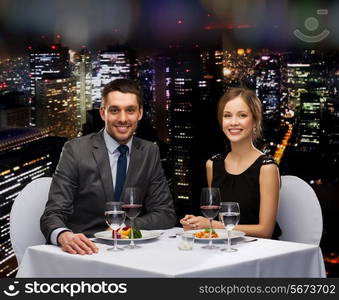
<point>245,169</point>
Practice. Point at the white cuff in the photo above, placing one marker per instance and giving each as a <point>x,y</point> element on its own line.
<point>55,233</point>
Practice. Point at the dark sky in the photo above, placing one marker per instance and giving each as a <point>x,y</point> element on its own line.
<point>157,23</point>
<point>96,23</point>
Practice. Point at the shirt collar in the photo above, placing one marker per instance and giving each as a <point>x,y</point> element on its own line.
<point>112,145</point>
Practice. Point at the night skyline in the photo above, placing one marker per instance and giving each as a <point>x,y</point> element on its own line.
<point>185,55</point>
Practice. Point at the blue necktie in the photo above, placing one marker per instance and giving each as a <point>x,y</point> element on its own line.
<point>121,172</point>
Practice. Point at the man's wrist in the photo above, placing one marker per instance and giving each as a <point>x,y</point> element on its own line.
<point>66,230</point>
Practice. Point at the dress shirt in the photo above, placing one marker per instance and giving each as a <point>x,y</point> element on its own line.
<point>113,154</point>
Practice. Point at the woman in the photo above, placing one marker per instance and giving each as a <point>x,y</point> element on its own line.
<point>244,174</point>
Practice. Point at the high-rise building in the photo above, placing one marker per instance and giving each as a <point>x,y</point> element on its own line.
<point>308,91</point>
<point>268,88</point>
<point>96,81</point>
<point>307,82</point>
<point>14,116</point>
<point>25,154</point>
<point>14,110</point>
<point>83,74</point>
<point>145,78</point>
<point>112,65</point>
<point>309,130</point>
<point>297,78</point>
<point>184,94</point>
<point>57,107</point>
<point>211,84</point>
<point>330,142</point>
<point>161,119</point>
<point>210,89</point>
<point>46,62</point>
<point>269,91</point>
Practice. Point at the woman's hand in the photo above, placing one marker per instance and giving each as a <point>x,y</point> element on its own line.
<point>191,222</point>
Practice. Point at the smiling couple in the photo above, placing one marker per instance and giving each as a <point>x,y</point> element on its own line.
<point>95,169</point>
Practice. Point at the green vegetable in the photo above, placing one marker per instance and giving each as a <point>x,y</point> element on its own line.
<point>208,230</point>
<point>136,233</point>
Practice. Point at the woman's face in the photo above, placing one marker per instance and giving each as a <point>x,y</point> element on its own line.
<point>238,120</point>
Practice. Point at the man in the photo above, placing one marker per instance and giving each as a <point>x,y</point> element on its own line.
<point>95,168</point>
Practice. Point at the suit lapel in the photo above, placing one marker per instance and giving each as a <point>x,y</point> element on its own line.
<point>134,163</point>
<point>101,157</point>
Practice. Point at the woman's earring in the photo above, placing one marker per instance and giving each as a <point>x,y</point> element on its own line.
<point>254,130</point>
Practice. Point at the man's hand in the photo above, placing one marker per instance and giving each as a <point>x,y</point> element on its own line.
<point>76,243</point>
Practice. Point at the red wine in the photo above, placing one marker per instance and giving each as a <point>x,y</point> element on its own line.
<point>132,210</point>
<point>210,211</point>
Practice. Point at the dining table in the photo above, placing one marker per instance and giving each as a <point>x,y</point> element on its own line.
<point>161,257</point>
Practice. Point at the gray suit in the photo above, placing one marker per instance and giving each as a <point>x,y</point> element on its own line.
<point>82,183</point>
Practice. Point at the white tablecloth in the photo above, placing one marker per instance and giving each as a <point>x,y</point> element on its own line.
<point>162,258</point>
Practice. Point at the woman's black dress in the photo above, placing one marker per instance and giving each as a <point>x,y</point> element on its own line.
<point>242,188</point>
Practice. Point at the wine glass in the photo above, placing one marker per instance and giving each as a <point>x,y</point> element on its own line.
<point>132,205</point>
<point>114,216</point>
<point>210,205</point>
<point>229,215</point>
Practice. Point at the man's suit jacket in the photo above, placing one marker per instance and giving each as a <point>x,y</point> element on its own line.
<point>82,184</point>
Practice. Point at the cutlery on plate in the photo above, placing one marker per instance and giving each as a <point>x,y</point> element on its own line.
<point>174,236</point>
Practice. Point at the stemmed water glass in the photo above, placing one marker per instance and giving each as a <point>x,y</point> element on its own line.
<point>132,205</point>
<point>210,205</point>
<point>229,215</point>
<point>114,216</point>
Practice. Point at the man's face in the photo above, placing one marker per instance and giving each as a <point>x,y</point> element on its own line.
<point>121,115</point>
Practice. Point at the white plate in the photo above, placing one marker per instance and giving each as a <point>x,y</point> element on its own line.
<point>146,235</point>
<point>221,234</point>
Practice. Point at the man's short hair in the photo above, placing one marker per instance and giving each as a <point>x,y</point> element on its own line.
<point>123,86</point>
